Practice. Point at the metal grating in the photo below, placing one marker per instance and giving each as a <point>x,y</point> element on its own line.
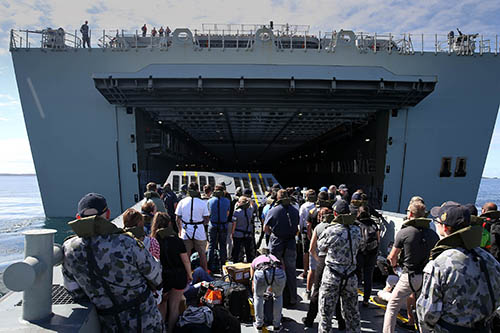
<point>60,295</point>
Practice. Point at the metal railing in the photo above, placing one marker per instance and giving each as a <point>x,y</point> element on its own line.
<point>284,37</point>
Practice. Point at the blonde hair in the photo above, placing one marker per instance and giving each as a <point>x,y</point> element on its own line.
<point>151,186</point>
<point>417,208</point>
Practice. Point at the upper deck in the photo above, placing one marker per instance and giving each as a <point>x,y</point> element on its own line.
<point>283,37</point>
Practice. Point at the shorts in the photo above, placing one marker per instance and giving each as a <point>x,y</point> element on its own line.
<point>175,278</point>
<point>312,263</point>
<point>305,243</point>
<point>200,246</point>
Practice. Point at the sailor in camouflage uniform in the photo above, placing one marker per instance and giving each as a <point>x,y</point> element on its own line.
<point>111,268</point>
<point>461,287</point>
<point>341,241</point>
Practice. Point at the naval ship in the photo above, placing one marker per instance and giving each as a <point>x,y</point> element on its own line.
<point>395,114</point>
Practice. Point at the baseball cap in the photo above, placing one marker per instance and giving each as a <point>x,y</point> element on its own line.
<point>356,196</point>
<point>247,193</point>
<point>323,189</point>
<point>452,214</point>
<point>343,187</point>
<point>92,201</point>
<point>341,207</point>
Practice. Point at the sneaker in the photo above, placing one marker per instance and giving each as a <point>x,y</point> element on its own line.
<point>258,328</point>
<point>379,300</point>
<point>277,328</point>
<point>307,295</point>
<point>307,323</point>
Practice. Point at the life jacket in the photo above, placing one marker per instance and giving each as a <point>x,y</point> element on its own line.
<point>98,226</point>
<point>347,221</point>
<point>151,194</point>
<point>420,223</point>
<point>468,239</point>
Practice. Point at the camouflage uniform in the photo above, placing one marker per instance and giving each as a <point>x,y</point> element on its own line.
<point>128,268</point>
<point>340,260</point>
<point>455,290</point>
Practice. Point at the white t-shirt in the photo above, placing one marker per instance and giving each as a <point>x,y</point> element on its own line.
<point>200,209</point>
<point>304,214</point>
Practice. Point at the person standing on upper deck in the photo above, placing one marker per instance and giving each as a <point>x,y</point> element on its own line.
<point>85,34</point>
<point>144,30</point>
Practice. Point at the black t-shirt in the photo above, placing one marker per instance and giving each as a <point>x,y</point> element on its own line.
<point>416,245</point>
<point>174,273</point>
<point>170,252</point>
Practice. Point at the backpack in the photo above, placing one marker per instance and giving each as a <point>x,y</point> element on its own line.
<point>236,301</point>
<point>234,298</point>
<point>224,321</point>
<point>369,239</point>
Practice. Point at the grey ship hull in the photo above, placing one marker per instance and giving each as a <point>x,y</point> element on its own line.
<point>84,141</point>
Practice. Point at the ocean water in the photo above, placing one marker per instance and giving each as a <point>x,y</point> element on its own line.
<point>21,209</point>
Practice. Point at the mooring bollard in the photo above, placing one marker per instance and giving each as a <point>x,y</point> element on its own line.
<point>33,275</point>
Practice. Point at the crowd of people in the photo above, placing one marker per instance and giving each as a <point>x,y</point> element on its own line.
<point>444,267</point>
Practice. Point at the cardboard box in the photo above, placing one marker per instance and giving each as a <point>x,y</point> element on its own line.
<point>239,272</point>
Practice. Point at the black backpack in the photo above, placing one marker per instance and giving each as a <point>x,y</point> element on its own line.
<point>224,321</point>
<point>369,239</point>
<point>236,301</point>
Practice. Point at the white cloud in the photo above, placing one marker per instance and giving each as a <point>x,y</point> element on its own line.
<point>9,103</point>
<point>16,156</point>
<point>7,97</point>
<point>3,119</point>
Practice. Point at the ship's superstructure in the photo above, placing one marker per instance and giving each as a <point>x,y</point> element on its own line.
<point>396,115</point>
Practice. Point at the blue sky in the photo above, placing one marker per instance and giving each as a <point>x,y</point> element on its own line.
<point>400,16</point>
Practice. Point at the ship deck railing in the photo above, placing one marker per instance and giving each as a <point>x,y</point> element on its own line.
<point>213,36</point>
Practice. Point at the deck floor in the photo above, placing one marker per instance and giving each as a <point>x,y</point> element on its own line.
<point>372,318</point>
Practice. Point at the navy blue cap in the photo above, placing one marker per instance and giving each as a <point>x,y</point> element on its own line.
<point>92,201</point>
<point>452,214</point>
<point>356,196</point>
<point>341,207</point>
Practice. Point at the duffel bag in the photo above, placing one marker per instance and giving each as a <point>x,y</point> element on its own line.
<point>236,301</point>
<point>224,321</point>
